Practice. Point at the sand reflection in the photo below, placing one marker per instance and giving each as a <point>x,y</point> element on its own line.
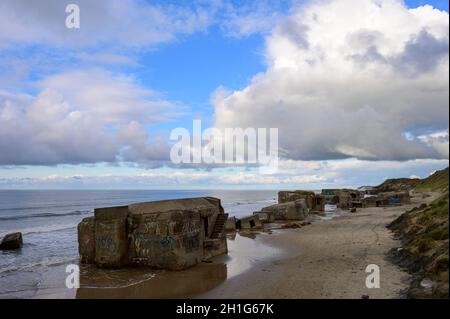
<point>244,251</point>
<point>146,283</point>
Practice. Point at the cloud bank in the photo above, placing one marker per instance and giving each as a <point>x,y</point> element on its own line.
<point>127,23</point>
<point>346,78</point>
<point>291,174</point>
<point>364,79</point>
<point>84,116</point>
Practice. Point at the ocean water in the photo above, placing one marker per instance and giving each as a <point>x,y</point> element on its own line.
<point>48,221</point>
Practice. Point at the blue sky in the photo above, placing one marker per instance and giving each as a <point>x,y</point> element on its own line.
<point>439,4</point>
<point>86,108</point>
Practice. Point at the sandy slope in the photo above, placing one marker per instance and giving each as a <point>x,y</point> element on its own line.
<point>325,260</point>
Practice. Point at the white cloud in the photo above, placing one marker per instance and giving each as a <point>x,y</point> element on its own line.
<point>128,23</point>
<point>345,79</point>
<point>250,18</point>
<point>438,140</point>
<point>105,58</point>
<point>84,116</point>
<point>132,23</point>
<point>291,175</point>
<point>348,79</point>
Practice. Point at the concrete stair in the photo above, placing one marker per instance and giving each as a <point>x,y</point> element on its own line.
<point>219,226</point>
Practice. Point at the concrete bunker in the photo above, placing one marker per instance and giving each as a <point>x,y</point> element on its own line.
<point>249,222</point>
<point>295,210</point>
<point>393,198</point>
<point>169,234</point>
<point>291,196</point>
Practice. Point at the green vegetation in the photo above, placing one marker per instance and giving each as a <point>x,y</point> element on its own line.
<point>398,184</point>
<point>434,183</point>
<point>425,234</point>
<point>437,182</point>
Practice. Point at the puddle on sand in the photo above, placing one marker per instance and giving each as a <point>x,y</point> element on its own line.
<point>243,251</point>
<point>329,214</point>
<point>148,283</point>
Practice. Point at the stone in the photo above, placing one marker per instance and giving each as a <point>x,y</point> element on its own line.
<point>291,225</point>
<point>305,223</point>
<point>11,241</point>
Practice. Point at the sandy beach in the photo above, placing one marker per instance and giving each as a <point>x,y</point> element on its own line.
<point>326,259</point>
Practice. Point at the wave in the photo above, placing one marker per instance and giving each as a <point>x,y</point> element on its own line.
<point>45,215</point>
<point>248,202</point>
<point>40,230</point>
<point>47,229</point>
<point>44,205</point>
<point>46,262</point>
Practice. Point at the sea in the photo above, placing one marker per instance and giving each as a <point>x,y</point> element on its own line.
<point>48,221</point>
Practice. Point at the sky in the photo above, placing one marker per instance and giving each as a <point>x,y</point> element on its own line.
<point>358,90</point>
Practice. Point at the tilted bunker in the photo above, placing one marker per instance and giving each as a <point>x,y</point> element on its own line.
<point>295,210</point>
<point>169,234</point>
<point>292,196</point>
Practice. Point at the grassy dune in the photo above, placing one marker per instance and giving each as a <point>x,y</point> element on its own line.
<point>398,184</point>
<point>437,182</point>
<point>425,235</point>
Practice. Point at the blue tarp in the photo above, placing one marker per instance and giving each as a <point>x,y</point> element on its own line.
<point>393,201</point>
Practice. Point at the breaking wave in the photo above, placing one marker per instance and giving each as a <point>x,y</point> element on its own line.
<point>46,262</point>
<point>45,215</point>
<point>40,229</point>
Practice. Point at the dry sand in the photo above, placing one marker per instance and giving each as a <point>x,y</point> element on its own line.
<point>326,260</point>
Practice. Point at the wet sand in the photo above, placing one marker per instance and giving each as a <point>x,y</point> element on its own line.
<point>326,259</point>
<point>246,250</point>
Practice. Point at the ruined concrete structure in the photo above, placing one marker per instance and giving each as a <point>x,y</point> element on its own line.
<point>230,224</point>
<point>387,199</point>
<point>368,190</point>
<point>370,201</point>
<point>347,197</point>
<point>290,196</point>
<point>249,222</point>
<point>169,234</point>
<point>295,210</point>
<point>265,217</point>
<point>343,198</point>
<point>402,197</point>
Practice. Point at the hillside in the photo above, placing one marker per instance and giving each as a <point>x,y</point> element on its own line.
<point>437,182</point>
<point>398,184</point>
<point>434,183</point>
<point>425,236</point>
